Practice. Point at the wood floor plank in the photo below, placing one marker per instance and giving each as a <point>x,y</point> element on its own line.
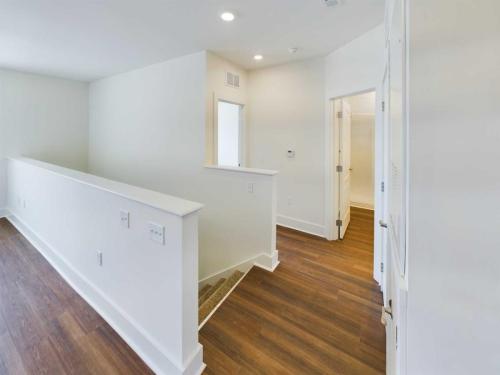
<point>317,313</point>
<point>45,326</point>
<point>10,360</point>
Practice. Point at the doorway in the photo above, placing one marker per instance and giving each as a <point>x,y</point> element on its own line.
<point>229,134</point>
<point>354,157</point>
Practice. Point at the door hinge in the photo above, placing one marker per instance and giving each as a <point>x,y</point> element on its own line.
<point>396,337</point>
<point>382,267</point>
<point>339,223</point>
<point>339,168</point>
<point>382,186</point>
<point>383,106</point>
<point>339,114</point>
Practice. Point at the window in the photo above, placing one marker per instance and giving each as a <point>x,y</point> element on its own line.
<point>229,134</point>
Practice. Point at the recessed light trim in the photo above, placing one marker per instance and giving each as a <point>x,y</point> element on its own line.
<point>258,57</point>
<point>227,16</point>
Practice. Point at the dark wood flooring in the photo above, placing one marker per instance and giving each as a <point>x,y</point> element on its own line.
<point>318,313</point>
<point>45,327</point>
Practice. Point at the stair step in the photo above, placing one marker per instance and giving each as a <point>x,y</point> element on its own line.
<point>204,290</point>
<point>210,292</point>
<point>206,307</point>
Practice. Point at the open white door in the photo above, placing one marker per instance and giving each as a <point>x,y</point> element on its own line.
<point>344,166</point>
<point>395,298</point>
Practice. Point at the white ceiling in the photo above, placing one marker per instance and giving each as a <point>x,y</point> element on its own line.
<point>90,39</point>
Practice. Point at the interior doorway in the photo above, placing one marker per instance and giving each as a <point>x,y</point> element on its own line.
<point>229,134</point>
<point>354,158</point>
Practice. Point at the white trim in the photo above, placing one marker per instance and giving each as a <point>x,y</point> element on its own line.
<point>222,300</point>
<point>268,262</point>
<point>168,203</point>
<point>145,346</point>
<point>214,277</point>
<point>364,206</point>
<point>331,153</point>
<point>263,260</point>
<point>301,225</point>
<point>265,172</point>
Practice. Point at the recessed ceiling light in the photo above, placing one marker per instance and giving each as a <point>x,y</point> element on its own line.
<point>258,57</point>
<point>227,16</point>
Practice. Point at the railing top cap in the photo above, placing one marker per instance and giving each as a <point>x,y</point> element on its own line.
<point>168,203</point>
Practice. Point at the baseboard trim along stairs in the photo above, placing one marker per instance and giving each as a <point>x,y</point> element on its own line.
<point>210,297</point>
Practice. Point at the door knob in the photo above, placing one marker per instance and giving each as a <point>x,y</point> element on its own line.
<point>382,223</point>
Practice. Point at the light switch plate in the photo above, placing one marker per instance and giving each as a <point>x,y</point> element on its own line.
<point>125,219</point>
<point>157,233</point>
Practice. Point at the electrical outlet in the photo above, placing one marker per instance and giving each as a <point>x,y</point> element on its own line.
<point>125,219</point>
<point>289,201</point>
<point>157,233</point>
<point>24,203</point>
<point>250,187</point>
<point>99,258</point>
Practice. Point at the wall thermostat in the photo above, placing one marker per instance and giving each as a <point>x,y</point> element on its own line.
<point>290,153</point>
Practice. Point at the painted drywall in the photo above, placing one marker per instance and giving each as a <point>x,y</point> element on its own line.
<point>286,112</point>
<point>217,89</point>
<point>362,149</point>
<point>357,66</point>
<point>454,205</point>
<point>43,117</point>
<point>147,128</point>
<point>146,290</point>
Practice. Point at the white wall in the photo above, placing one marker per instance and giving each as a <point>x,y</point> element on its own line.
<point>362,149</point>
<point>216,89</point>
<point>454,204</point>
<point>286,111</point>
<point>147,128</point>
<point>43,117</point>
<point>357,66</point>
<point>147,291</point>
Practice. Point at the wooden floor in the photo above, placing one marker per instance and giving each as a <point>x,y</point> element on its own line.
<point>318,313</point>
<point>45,327</point>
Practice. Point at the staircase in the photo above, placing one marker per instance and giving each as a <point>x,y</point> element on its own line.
<point>210,296</point>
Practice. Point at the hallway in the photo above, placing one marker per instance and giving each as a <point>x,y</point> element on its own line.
<point>318,313</point>
<point>45,326</point>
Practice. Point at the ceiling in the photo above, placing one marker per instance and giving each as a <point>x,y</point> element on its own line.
<point>90,39</point>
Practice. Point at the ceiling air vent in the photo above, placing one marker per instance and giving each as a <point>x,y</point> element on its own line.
<point>232,80</point>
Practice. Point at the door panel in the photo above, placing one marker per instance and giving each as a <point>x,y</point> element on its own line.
<point>345,162</point>
<point>396,199</point>
<point>396,180</point>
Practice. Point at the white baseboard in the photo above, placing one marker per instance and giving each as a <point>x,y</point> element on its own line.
<point>366,206</point>
<point>268,262</point>
<point>265,261</point>
<point>221,301</point>
<point>301,225</point>
<point>145,346</point>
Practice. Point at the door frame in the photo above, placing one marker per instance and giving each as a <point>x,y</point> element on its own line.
<point>241,133</point>
<point>331,176</point>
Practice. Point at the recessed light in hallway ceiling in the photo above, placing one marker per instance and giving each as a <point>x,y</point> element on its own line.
<point>227,16</point>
